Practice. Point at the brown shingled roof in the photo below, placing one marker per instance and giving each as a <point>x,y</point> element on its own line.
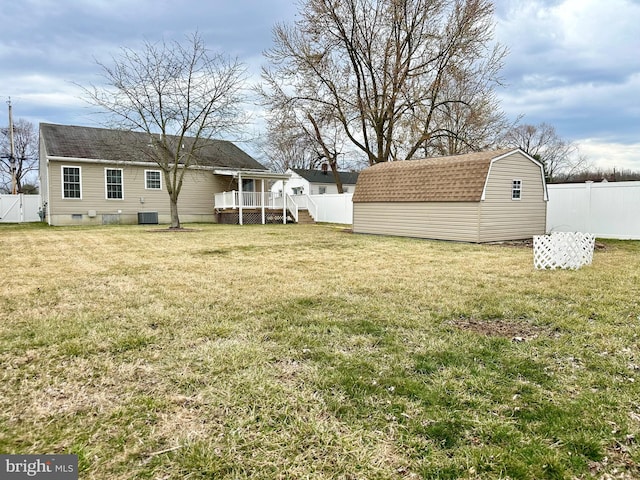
<point>459,178</point>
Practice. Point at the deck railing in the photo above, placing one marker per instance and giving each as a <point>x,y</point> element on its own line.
<point>292,206</point>
<point>293,203</point>
<point>235,199</point>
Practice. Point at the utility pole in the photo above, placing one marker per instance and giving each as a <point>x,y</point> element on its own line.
<point>12,154</point>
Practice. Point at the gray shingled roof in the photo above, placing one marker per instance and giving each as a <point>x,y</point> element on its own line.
<point>116,145</point>
<point>318,176</point>
<point>459,178</point>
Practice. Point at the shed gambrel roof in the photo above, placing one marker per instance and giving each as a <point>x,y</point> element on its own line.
<point>458,178</point>
<point>318,176</point>
<point>89,143</point>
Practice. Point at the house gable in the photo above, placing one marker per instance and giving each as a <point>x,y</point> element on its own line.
<point>524,161</point>
<point>326,177</point>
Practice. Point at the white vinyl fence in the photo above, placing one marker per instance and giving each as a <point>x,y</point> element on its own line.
<point>333,208</point>
<point>19,208</point>
<point>607,210</point>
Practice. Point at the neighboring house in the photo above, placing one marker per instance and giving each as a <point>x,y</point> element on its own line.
<point>99,176</point>
<point>315,182</point>
<point>478,197</point>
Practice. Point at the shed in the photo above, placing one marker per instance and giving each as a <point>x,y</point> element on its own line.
<point>478,197</point>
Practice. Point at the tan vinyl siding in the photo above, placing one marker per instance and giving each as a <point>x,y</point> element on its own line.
<point>501,217</point>
<point>442,220</point>
<point>195,200</point>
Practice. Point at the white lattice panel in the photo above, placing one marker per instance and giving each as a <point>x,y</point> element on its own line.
<point>563,250</point>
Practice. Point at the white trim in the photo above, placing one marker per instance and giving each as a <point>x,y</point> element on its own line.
<point>528,157</point>
<point>145,180</point>
<point>520,183</point>
<point>252,174</point>
<point>241,202</point>
<point>62,167</point>
<point>106,195</point>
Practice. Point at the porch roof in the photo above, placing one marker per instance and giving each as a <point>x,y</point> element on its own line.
<point>247,173</point>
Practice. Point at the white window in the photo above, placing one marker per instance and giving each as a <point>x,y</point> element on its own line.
<point>153,180</point>
<point>71,182</point>
<point>516,190</point>
<point>322,190</point>
<point>113,183</point>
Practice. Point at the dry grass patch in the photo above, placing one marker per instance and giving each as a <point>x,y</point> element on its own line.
<point>515,329</point>
<point>304,352</point>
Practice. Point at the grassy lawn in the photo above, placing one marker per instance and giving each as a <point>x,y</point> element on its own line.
<point>309,352</point>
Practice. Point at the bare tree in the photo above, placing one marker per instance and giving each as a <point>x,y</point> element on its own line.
<point>287,145</point>
<point>475,122</point>
<point>25,161</point>
<point>560,157</point>
<point>382,72</point>
<point>181,94</point>
<point>595,174</point>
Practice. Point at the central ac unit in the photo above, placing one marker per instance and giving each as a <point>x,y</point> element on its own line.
<point>147,218</point>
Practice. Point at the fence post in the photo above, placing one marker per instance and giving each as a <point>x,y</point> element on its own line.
<point>588,184</point>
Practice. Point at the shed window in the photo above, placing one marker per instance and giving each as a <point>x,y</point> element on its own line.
<point>152,180</point>
<point>516,190</point>
<point>113,183</point>
<point>322,190</point>
<point>71,182</point>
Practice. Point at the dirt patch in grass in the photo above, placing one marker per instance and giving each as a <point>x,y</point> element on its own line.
<point>173,230</point>
<point>528,243</point>
<point>516,330</point>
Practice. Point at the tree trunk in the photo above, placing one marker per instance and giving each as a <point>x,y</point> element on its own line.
<point>336,175</point>
<point>175,220</point>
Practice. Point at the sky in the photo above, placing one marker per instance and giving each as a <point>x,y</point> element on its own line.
<point>574,64</point>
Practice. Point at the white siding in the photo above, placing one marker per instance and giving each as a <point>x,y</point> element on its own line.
<point>296,181</point>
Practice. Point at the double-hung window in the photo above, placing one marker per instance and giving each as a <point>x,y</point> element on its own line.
<point>516,190</point>
<point>113,183</point>
<point>152,180</point>
<point>71,182</point>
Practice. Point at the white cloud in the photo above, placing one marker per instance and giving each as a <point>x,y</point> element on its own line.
<point>573,64</point>
<point>608,155</point>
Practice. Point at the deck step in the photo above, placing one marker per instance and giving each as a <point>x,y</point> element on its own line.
<point>305,218</point>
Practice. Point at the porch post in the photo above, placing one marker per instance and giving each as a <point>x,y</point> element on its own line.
<point>262,196</point>
<point>284,201</point>
<point>240,198</point>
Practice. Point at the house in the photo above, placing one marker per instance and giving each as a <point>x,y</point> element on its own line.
<point>315,182</point>
<point>93,176</point>
<point>478,197</point>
